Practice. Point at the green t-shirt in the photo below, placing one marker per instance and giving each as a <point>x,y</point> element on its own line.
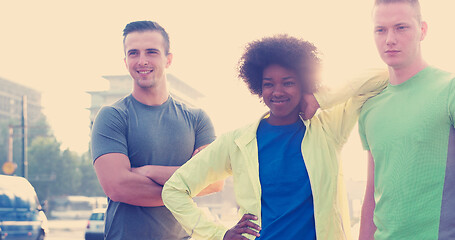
<point>407,128</point>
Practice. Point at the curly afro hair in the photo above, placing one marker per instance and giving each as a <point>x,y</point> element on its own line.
<point>289,52</point>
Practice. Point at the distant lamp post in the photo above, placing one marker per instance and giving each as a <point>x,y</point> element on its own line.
<point>9,166</point>
<point>24,138</point>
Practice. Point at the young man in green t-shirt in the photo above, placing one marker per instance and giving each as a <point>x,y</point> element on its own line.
<point>408,130</point>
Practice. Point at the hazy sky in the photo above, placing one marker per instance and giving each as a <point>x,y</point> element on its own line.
<point>62,48</point>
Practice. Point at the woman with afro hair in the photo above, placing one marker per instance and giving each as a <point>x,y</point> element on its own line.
<point>288,181</point>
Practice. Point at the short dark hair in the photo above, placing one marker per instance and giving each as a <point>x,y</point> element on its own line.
<point>414,3</point>
<point>289,52</point>
<point>141,26</point>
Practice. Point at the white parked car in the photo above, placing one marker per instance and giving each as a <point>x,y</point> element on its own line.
<point>95,225</point>
<point>21,215</point>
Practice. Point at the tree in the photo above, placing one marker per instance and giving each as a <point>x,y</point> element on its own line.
<point>45,168</point>
<point>51,171</point>
<point>90,185</point>
<point>39,127</point>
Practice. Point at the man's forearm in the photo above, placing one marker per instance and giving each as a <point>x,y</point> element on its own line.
<point>120,184</point>
<point>158,174</point>
<point>137,190</point>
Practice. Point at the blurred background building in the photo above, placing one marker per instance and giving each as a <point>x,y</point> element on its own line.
<point>15,120</point>
<point>11,94</point>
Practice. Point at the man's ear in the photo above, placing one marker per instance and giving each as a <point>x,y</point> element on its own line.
<point>169,59</point>
<point>423,28</point>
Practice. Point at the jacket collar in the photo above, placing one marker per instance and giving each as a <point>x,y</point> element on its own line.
<point>250,132</point>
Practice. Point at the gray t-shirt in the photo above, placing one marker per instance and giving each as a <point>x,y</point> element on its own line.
<point>163,135</point>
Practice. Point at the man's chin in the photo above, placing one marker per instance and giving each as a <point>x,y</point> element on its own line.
<point>145,83</point>
<point>393,63</point>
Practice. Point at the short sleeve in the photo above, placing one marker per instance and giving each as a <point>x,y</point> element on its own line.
<point>109,133</point>
<point>451,102</point>
<point>205,133</point>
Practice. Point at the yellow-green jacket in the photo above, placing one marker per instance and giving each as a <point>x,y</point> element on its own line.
<point>235,153</point>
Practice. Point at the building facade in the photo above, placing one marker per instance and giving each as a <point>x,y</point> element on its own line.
<point>11,102</point>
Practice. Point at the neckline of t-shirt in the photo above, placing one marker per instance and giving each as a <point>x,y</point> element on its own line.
<point>166,103</point>
<point>412,80</point>
<point>284,128</point>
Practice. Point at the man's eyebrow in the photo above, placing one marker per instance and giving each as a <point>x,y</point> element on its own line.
<point>132,50</point>
<point>401,24</point>
<point>148,49</point>
<point>153,49</point>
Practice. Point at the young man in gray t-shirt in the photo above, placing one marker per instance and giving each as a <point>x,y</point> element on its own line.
<point>139,141</point>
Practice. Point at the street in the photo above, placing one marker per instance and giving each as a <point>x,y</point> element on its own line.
<point>66,229</point>
<point>75,229</point>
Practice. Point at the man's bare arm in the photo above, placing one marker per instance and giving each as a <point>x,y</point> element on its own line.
<point>160,175</point>
<point>367,227</point>
<point>123,185</point>
<point>156,173</point>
